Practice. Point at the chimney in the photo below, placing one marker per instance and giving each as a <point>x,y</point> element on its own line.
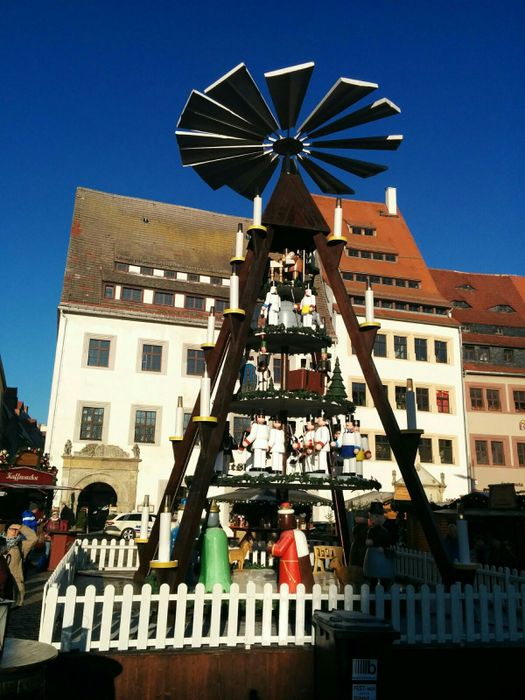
<point>391,200</point>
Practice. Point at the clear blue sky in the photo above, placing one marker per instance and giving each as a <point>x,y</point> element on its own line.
<point>92,90</point>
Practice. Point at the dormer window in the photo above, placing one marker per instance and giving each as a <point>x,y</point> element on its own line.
<point>362,230</point>
<point>502,308</point>
<point>460,304</point>
<point>466,286</point>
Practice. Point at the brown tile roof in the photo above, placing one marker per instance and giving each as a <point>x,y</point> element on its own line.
<point>107,228</point>
<point>392,235</point>
<point>488,291</point>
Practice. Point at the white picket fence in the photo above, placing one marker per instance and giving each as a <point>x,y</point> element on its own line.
<point>491,611</point>
<point>105,621</point>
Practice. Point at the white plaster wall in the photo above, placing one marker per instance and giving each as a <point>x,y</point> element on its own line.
<point>428,374</point>
<point>122,387</point>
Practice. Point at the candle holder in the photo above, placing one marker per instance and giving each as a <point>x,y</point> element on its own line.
<point>165,571</point>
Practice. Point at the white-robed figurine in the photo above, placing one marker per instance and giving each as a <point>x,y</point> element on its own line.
<point>277,445</point>
<point>257,438</point>
<point>322,445</point>
<point>308,306</point>
<point>272,306</point>
<point>309,447</point>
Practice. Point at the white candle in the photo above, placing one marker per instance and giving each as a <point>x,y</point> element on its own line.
<point>257,210</point>
<point>144,519</point>
<point>239,242</point>
<point>234,292</point>
<point>179,418</point>
<point>464,549</point>
<point>210,336</point>
<point>369,304</point>
<point>165,536</point>
<point>410,402</point>
<point>338,219</point>
<point>205,395</point>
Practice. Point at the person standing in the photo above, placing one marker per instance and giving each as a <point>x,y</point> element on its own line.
<point>378,565</point>
<point>30,517</point>
<point>19,541</point>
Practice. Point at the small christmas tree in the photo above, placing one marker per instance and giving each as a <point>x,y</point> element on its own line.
<point>336,391</point>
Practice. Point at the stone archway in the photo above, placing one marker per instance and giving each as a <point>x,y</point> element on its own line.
<point>97,497</point>
<point>106,464</point>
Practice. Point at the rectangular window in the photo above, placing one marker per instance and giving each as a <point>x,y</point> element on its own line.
<point>163,298</point>
<point>91,423</point>
<point>440,350</point>
<point>145,270</point>
<point>420,348</point>
<point>400,347</point>
<point>220,305</point>
<point>469,353</point>
<point>193,277</point>
<point>170,274</point>
<point>493,400</point>
<point>508,355</point>
<point>195,362</point>
<point>443,401</point>
<point>476,399</point>
<point>498,455</point>
<point>521,453</point>
<point>413,284</point>
<point>445,452</point>
<point>482,453</point>
<point>425,450</point>
<point>109,291</point>
<point>122,267</point>
<point>383,451</point>
<point>131,294</point>
<point>380,345</point>
<point>98,353</point>
<point>519,400</point>
<point>191,302</point>
<point>359,393</point>
<point>348,275</point>
<point>145,426</point>
<point>151,358</point>
<point>390,257</point>
<point>215,280</point>
<point>387,280</point>
<point>377,256</point>
<point>422,402</point>
<point>401,397</point>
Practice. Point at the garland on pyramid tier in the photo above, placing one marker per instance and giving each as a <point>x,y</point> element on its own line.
<point>316,482</point>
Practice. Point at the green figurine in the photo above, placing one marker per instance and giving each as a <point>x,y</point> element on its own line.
<point>215,563</point>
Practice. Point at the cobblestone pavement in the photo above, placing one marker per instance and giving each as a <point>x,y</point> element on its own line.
<point>24,622</point>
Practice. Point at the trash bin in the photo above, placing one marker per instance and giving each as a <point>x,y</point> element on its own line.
<point>352,655</point>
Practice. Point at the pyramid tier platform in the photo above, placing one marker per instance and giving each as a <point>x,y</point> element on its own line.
<point>287,404</point>
<point>300,341</point>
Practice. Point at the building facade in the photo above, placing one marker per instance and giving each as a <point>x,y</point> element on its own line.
<point>491,311</point>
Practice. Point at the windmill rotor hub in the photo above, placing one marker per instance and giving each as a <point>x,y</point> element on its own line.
<point>287,146</point>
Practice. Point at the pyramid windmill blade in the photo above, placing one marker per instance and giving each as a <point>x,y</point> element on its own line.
<point>371,143</point>
<point>287,88</point>
<point>201,139</point>
<point>344,93</point>
<point>323,179</point>
<point>196,156</point>
<point>357,167</point>
<point>204,114</point>
<point>220,172</point>
<point>254,177</point>
<point>238,91</point>
<point>377,110</point>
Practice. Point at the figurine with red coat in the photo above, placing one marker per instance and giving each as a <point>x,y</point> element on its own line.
<point>292,549</point>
